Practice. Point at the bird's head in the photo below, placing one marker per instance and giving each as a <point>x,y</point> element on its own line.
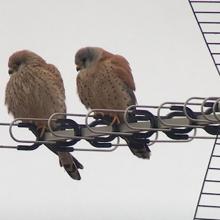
<point>22,57</point>
<point>87,56</point>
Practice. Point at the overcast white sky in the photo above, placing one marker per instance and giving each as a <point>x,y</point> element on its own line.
<point>170,62</point>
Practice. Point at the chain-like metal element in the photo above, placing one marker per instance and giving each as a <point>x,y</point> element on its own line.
<point>167,123</point>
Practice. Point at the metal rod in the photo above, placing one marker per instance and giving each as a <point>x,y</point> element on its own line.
<point>212,32</point>
<point>214,168</point>
<point>52,118</point>
<point>203,137</point>
<point>214,109</point>
<point>144,128</point>
<point>209,22</point>
<point>209,206</point>
<point>211,194</point>
<point>155,139</point>
<point>207,12</point>
<point>204,180</point>
<point>27,141</point>
<point>104,132</point>
<point>8,147</point>
<point>205,1</point>
<point>113,148</point>
<point>203,35</point>
<point>96,150</point>
<point>7,124</point>
<point>162,121</point>
<point>177,141</point>
<point>207,218</point>
<point>212,181</point>
<point>203,111</point>
<point>186,103</point>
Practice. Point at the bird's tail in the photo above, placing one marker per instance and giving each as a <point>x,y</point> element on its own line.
<point>70,164</point>
<point>138,148</point>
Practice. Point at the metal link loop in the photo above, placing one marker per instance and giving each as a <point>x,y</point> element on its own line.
<point>177,123</point>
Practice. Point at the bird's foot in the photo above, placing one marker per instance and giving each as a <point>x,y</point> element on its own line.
<point>99,115</point>
<point>41,130</point>
<point>115,120</point>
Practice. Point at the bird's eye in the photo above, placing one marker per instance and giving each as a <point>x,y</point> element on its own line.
<point>84,60</point>
<point>10,71</point>
<point>18,63</point>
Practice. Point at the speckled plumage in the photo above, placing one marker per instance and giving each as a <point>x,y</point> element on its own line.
<point>105,81</point>
<point>35,90</point>
<point>102,88</point>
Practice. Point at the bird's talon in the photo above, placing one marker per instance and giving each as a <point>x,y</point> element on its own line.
<point>115,120</point>
<point>99,115</point>
<point>41,130</point>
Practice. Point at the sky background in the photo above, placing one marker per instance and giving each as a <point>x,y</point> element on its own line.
<point>170,62</point>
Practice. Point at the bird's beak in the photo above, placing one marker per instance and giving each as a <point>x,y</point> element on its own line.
<point>77,68</point>
<point>10,71</point>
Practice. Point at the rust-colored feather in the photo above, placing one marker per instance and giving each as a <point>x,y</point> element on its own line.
<point>122,68</point>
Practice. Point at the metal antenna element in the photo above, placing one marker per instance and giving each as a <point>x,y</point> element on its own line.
<point>208,19</point>
<point>207,14</point>
<point>208,205</point>
<point>170,122</point>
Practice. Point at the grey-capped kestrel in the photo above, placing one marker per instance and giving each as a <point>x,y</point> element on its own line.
<point>35,90</point>
<point>105,81</point>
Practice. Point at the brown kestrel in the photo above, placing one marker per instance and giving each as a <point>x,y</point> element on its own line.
<point>105,81</point>
<point>35,90</point>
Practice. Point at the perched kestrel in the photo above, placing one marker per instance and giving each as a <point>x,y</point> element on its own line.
<point>105,81</point>
<point>35,90</point>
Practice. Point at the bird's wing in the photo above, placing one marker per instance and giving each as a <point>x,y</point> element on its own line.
<point>56,77</point>
<point>121,67</point>
<point>82,92</point>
